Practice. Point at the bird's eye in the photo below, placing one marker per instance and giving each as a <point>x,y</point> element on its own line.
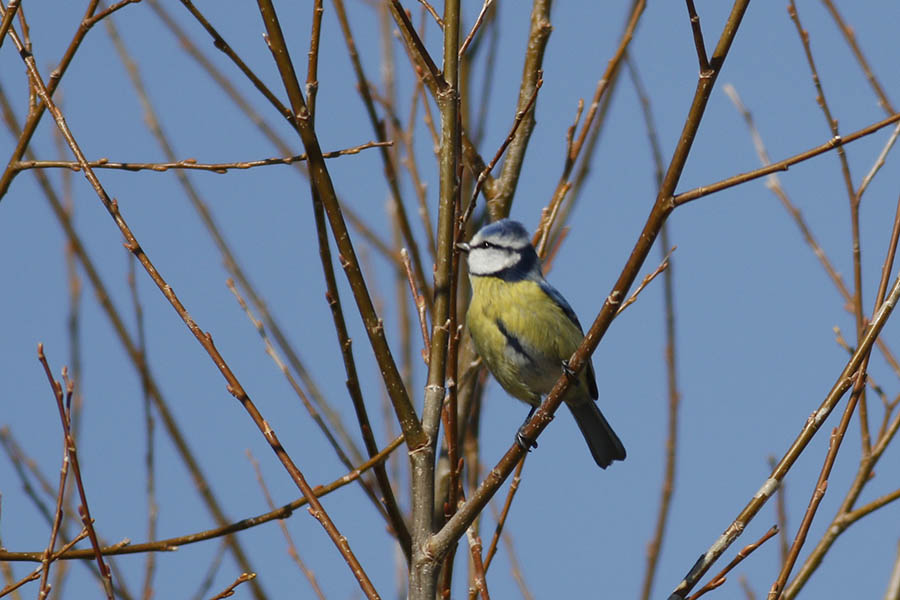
<point>484,245</point>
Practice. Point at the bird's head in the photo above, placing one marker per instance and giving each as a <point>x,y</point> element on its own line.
<point>502,249</point>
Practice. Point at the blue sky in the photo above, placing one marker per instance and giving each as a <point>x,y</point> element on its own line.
<point>756,312</point>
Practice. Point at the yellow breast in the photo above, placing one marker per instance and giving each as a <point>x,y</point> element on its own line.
<point>522,335</point>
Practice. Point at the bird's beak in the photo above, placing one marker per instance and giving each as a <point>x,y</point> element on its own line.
<point>463,247</point>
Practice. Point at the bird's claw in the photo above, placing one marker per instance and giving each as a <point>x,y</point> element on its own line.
<point>568,371</point>
<point>524,442</point>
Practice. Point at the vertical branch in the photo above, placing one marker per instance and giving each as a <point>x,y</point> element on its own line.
<point>334,302</point>
<point>406,414</point>
<point>854,213</point>
<point>668,482</point>
<point>312,70</point>
<point>390,167</point>
<point>538,36</point>
<point>353,387</point>
<point>423,577</point>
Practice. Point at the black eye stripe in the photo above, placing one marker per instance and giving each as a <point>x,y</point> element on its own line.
<point>486,244</point>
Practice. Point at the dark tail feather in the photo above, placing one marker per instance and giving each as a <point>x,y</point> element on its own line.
<point>605,445</point>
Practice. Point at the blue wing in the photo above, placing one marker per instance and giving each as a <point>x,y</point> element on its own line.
<point>561,302</point>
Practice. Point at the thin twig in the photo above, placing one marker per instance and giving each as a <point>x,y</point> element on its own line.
<point>650,277</point>
<point>854,199</point>
<point>57,517</point>
<point>212,571</point>
<point>312,69</point>
<point>850,36</point>
<point>719,579</point>
<point>781,516</point>
<point>409,160</point>
<point>879,162</point>
<point>475,552</point>
<point>602,85</point>
<point>292,548</point>
<point>72,455</point>
<point>437,18</point>
<point>482,177</point>
<point>504,513</point>
<point>654,547</point>
<point>782,165</point>
<point>108,11</point>
<point>698,36</point>
<point>478,21</point>
<point>420,306</point>
<point>229,591</point>
<point>515,567</point>
<point>37,572</point>
<point>190,163</point>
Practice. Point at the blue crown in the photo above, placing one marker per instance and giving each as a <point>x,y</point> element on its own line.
<point>505,228</point>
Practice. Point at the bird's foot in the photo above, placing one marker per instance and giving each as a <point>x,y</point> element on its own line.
<point>524,442</point>
<point>567,370</point>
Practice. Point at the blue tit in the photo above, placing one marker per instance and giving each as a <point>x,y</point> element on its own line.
<point>525,331</point>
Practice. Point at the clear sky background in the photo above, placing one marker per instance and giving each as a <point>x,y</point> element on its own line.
<point>756,348</point>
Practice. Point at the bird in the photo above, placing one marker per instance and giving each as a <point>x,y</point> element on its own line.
<point>525,331</point>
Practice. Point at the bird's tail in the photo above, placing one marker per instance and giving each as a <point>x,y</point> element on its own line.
<point>605,445</point>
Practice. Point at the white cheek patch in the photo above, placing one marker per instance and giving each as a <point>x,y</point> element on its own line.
<point>485,261</point>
